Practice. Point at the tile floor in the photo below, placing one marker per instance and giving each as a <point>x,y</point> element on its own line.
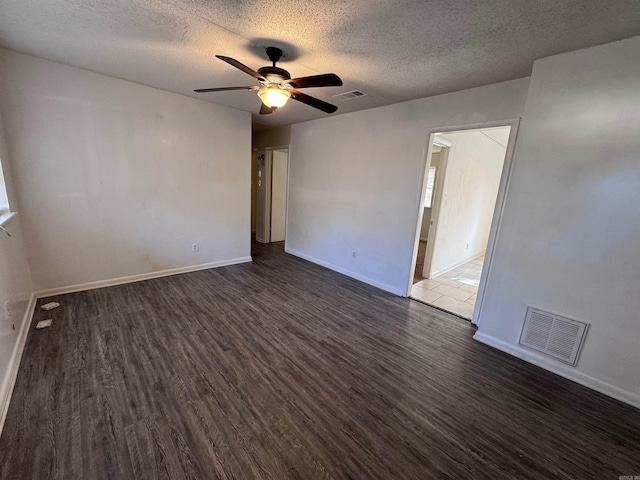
<point>454,291</point>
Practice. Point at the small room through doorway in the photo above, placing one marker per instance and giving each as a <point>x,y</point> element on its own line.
<point>271,179</point>
<point>462,180</point>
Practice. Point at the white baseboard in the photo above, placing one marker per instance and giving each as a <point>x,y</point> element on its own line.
<point>453,267</point>
<point>137,278</point>
<point>565,371</point>
<point>6,389</point>
<point>348,273</point>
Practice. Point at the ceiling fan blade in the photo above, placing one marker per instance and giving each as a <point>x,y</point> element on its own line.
<point>264,110</point>
<point>325,80</point>
<point>313,102</point>
<point>241,66</point>
<point>224,89</point>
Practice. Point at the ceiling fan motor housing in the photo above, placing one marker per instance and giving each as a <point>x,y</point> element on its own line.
<point>274,54</point>
<point>274,74</point>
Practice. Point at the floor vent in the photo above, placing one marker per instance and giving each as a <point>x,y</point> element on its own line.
<point>553,335</point>
<point>349,95</point>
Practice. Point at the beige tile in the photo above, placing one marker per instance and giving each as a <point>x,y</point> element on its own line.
<point>448,281</point>
<point>470,276</point>
<point>452,292</point>
<point>468,267</point>
<point>469,288</point>
<point>455,306</point>
<point>466,274</point>
<point>467,279</point>
<point>472,299</point>
<point>428,284</point>
<point>451,274</point>
<point>424,295</point>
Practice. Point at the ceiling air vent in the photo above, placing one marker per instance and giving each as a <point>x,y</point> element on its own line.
<point>556,336</point>
<point>343,97</point>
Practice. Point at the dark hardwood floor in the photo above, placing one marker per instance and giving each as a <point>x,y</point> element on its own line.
<point>281,369</point>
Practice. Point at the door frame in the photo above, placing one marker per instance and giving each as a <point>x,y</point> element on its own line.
<point>268,178</point>
<point>436,199</point>
<point>498,211</point>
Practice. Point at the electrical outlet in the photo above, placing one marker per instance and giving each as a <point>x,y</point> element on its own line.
<point>353,254</point>
<point>194,247</point>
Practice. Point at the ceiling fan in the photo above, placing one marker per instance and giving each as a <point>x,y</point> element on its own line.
<point>277,86</point>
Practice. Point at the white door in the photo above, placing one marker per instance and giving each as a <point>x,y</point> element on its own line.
<point>280,160</point>
<point>436,203</point>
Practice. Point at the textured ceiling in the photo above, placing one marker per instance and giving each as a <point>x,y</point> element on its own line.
<point>392,50</point>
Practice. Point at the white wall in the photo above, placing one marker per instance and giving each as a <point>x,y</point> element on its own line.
<point>15,291</point>
<point>15,288</point>
<point>117,179</point>
<point>355,180</point>
<point>570,235</point>
<point>472,178</point>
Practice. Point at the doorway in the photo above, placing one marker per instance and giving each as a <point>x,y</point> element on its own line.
<point>464,181</point>
<point>272,172</point>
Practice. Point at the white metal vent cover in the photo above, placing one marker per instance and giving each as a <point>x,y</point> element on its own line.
<point>557,336</point>
<point>349,95</point>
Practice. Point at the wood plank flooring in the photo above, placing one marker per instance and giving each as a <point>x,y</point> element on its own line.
<point>281,369</point>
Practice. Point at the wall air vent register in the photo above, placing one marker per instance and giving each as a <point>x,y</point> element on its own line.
<point>553,335</point>
<point>343,97</point>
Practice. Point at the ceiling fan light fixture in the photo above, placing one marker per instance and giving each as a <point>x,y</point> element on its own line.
<point>277,86</point>
<point>273,96</point>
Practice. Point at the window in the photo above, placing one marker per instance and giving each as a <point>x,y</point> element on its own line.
<point>428,194</point>
<point>5,214</point>
<point>4,203</point>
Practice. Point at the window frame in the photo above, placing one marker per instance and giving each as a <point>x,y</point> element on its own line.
<point>427,200</point>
